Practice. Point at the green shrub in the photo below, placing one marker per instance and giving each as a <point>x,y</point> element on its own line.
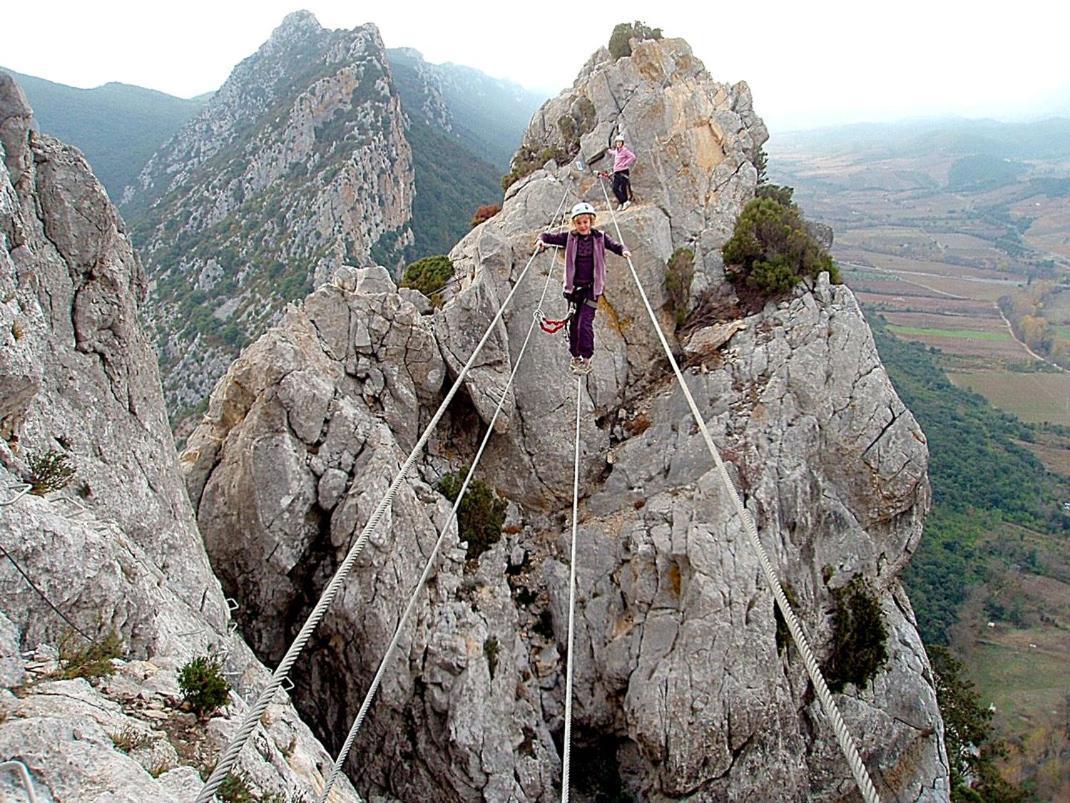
<point>49,472</point>
<point>620,44</point>
<point>972,751</point>
<point>91,661</point>
<point>203,685</point>
<point>679,273</point>
<point>858,636</point>
<point>771,250</point>
<point>484,213</point>
<point>235,789</point>
<point>428,275</point>
<point>780,194</point>
<point>480,515</point>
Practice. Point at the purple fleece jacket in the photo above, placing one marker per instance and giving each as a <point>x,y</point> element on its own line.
<point>602,241</point>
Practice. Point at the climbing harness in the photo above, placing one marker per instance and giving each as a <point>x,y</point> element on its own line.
<point>566,747</point>
<point>429,565</point>
<point>257,709</point>
<point>843,735</point>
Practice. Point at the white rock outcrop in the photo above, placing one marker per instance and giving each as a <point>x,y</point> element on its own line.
<point>117,549</point>
<point>684,691</point>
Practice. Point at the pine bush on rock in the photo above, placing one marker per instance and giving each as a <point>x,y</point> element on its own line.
<point>620,44</point>
<point>859,636</point>
<point>203,685</point>
<point>480,515</point>
<point>428,275</point>
<point>771,250</point>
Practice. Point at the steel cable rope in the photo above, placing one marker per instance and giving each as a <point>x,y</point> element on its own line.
<point>566,747</point>
<point>847,744</point>
<point>374,687</point>
<point>21,489</point>
<point>253,714</point>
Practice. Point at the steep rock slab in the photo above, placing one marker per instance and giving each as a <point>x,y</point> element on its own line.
<point>678,623</point>
<point>301,440</point>
<point>297,165</point>
<point>118,549</point>
<point>682,687</point>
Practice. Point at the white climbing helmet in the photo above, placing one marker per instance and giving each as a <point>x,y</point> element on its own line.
<point>583,208</point>
<point>619,139</point>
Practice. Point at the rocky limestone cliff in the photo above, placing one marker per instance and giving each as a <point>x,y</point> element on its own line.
<point>683,689</point>
<point>297,165</point>
<point>118,548</point>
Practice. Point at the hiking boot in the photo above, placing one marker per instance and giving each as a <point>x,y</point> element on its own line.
<point>625,205</point>
<point>581,366</point>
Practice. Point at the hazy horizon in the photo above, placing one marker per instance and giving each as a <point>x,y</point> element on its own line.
<point>814,67</point>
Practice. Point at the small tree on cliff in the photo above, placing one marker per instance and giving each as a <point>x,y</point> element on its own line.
<point>772,251</point>
<point>620,44</point>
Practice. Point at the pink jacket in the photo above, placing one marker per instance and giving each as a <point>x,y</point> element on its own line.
<point>622,158</point>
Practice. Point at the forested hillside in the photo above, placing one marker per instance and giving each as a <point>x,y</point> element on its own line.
<point>991,576</point>
<point>117,126</point>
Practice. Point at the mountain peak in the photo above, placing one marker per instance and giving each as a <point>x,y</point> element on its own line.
<point>297,21</point>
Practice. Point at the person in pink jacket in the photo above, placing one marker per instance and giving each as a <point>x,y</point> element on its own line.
<point>623,159</point>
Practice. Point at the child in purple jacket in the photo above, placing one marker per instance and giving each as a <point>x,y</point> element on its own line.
<point>585,278</point>
<point>623,159</point>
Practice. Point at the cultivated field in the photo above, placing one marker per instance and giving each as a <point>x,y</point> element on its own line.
<point>1033,397</point>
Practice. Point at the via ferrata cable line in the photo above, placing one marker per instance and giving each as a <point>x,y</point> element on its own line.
<point>429,565</point>
<point>330,591</point>
<point>843,735</point>
<point>566,747</point>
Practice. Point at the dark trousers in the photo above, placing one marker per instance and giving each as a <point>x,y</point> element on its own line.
<point>622,185</point>
<point>581,325</point>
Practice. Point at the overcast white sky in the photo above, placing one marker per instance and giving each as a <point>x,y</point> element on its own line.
<point>808,63</point>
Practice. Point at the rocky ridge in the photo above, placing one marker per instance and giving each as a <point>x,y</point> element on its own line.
<point>116,550</point>
<point>683,689</point>
<point>297,165</point>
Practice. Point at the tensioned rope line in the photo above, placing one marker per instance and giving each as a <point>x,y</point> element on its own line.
<point>566,747</point>
<point>252,716</point>
<point>843,736</point>
<point>24,776</point>
<point>366,704</point>
<point>44,597</point>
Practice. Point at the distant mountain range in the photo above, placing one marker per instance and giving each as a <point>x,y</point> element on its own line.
<point>119,126</point>
<point>487,112</point>
<point>1041,139</point>
<point>116,126</point>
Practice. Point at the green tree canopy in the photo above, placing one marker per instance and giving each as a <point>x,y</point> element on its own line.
<point>428,275</point>
<point>620,44</point>
<point>771,249</point>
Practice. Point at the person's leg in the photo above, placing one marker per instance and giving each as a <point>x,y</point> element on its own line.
<point>585,337</point>
<point>618,188</point>
<point>573,332</point>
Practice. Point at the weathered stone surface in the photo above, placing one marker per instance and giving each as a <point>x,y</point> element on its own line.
<point>117,549</point>
<point>120,739</point>
<point>278,512</point>
<point>680,684</point>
